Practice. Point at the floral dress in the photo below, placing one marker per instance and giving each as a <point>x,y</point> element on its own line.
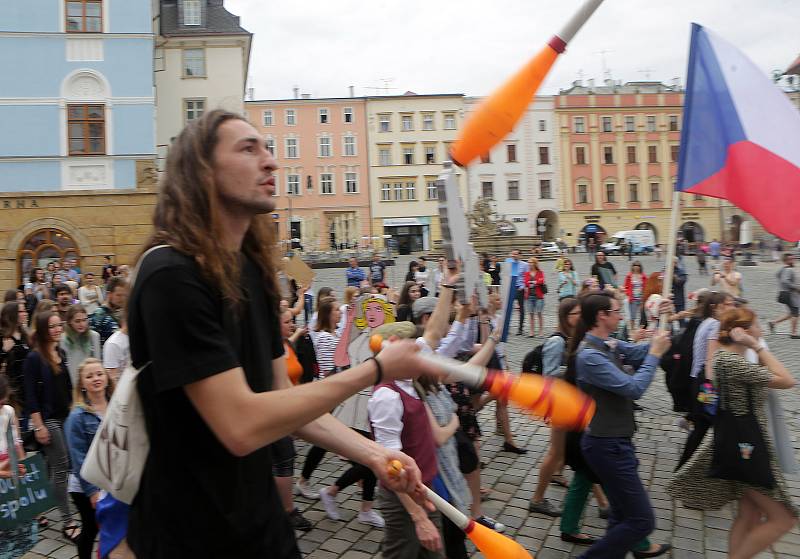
<point>691,483</point>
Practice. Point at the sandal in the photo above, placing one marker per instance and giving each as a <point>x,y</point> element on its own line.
<point>43,522</point>
<point>72,532</point>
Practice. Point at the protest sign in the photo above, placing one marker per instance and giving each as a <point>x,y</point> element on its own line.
<point>24,497</point>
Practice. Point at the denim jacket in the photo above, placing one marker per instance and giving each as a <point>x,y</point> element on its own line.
<point>80,429</point>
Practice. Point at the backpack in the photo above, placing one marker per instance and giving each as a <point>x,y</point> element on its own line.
<point>117,455</point>
<point>677,364</point>
<point>533,362</point>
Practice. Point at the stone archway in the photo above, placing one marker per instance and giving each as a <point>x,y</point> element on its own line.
<point>693,232</point>
<point>645,225</point>
<point>548,228</point>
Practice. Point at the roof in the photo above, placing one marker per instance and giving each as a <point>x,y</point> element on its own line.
<point>794,67</point>
<point>216,20</point>
<point>610,87</point>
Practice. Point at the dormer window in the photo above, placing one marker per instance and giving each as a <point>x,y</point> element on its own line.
<point>192,12</point>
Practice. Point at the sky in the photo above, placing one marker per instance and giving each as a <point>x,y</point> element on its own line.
<point>472,46</point>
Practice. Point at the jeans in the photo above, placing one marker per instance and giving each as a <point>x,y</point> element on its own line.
<point>613,460</point>
<point>520,297</point>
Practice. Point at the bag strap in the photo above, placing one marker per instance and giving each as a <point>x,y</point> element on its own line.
<point>139,264</point>
<point>606,350</point>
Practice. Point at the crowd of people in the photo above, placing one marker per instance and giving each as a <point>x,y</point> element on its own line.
<point>247,369</point>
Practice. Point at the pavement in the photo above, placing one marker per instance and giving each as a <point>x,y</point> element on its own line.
<point>512,478</point>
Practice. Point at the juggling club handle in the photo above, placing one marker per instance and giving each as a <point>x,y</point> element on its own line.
<point>455,516</point>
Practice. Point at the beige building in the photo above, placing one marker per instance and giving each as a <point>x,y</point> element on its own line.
<point>409,138</point>
<point>201,59</point>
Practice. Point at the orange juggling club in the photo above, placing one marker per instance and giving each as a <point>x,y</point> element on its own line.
<point>496,116</point>
<point>553,399</point>
<point>491,544</point>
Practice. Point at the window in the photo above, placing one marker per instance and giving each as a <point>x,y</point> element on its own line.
<point>583,194</point>
<point>411,190</point>
<point>697,197</point>
<point>267,118</point>
<point>384,123</point>
<point>291,117</point>
<point>544,155</point>
<point>430,154</point>
<point>427,121</point>
<point>673,123</point>
<point>408,155</point>
<point>630,123</point>
<point>542,125</point>
<point>433,190</point>
<point>513,190</point>
<point>351,183</point>
<point>386,192</point>
<point>544,189</point>
<point>326,183</point>
<point>511,152</point>
<point>606,124</point>
<point>384,156</point>
<point>323,116</point>
<point>324,146</point>
<point>292,151</point>
<point>192,12</point>
<point>651,123</point>
<point>407,122</point>
<point>86,125</point>
<point>611,195</point>
<point>487,190</point>
<point>654,192</point>
<point>631,154</point>
<point>449,121</point>
<point>270,145</point>
<point>580,155</point>
<point>84,16</point>
<point>486,158</point>
<point>194,63</point>
<point>398,191</point>
<point>293,185</point>
<point>674,151</point>
<point>349,145</point>
<point>347,113</point>
<point>633,192</point>
<point>652,154</point>
<point>579,125</point>
<point>193,108</point>
<point>608,155</point>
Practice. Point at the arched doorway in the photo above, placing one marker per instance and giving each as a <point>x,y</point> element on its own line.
<point>735,228</point>
<point>644,226</point>
<point>592,231</point>
<point>692,232</point>
<point>547,225</point>
<point>42,247</point>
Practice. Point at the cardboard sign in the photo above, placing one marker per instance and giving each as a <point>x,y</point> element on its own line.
<point>24,497</point>
<point>299,270</point>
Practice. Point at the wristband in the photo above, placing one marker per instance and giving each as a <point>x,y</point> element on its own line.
<point>378,370</point>
<point>448,285</point>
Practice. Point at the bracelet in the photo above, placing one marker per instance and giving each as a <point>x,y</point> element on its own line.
<point>378,370</point>
<point>448,285</point>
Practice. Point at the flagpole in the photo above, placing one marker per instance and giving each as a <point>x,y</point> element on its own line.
<point>672,238</point>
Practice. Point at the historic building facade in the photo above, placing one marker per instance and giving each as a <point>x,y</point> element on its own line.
<point>77,149</point>
<point>323,181</point>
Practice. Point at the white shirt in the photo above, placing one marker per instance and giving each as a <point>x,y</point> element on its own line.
<point>385,410</point>
<point>90,298</point>
<point>116,352</point>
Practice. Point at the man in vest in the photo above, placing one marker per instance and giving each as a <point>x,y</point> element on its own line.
<point>616,373</point>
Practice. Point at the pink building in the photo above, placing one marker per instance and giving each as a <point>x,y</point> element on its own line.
<point>322,183</point>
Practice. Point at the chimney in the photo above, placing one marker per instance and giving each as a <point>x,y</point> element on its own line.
<point>352,89</point>
<point>306,96</point>
<point>250,93</point>
<point>296,92</point>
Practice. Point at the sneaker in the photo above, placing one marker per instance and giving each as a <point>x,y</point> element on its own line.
<point>544,507</point>
<point>372,518</point>
<point>301,488</point>
<point>329,502</point>
<point>491,523</point>
<point>299,522</point>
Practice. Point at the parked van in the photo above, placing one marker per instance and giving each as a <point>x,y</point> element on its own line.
<point>643,241</point>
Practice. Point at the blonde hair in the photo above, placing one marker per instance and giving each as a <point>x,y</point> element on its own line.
<point>350,293</point>
<point>361,321</point>
<point>79,399</point>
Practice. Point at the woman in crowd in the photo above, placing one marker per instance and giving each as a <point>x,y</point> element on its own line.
<point>79,342</point>
<point>48,398</point>
<point>553,361</point>
<point>634,290</point>
<point>89,294</point>
<point>410,293</point>
<point>323,293</point>
<point>728,280</point>
<point>90,397</point>
<point>413,266</point>
<point>535,285</point>
<point>493,269</point>
<point>764,515</point>
<point>568,281</point>
<point>14,348</point>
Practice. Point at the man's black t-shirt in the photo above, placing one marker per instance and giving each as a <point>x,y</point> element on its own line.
<point>377,270</point>
<point>196,499</point>
<point>604,273</point>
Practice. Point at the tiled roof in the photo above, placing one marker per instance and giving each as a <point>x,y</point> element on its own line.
<point>216,20</point>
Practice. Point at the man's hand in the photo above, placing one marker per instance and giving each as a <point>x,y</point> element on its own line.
<point>400,359</point>
<point>453,275</point>
<point>666,307</point>
<point>427,534</point>
<point>406,479</point>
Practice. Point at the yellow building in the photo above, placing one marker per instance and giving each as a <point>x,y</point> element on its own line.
<point>409,138</point>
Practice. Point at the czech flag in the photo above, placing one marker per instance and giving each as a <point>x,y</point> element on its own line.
<point>741,136</point>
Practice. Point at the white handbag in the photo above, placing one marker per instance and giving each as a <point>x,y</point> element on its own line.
<point>117,455</point>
